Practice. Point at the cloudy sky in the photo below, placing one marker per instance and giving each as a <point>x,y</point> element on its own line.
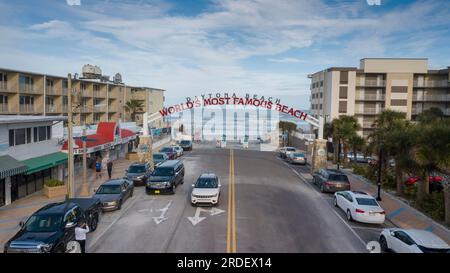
<point>191,47</point>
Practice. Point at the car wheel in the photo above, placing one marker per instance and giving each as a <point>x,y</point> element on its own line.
<point>383,244</point>
<point>174,189</point>
<point>322,189</point>
<point>120,205</point>
<point>335,202</point>
<point>349,215</point>
<point>131,194</point>
<point>94,223</point>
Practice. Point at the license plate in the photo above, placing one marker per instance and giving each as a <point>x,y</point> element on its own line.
<point>157,191</point>
<point>371,213</point>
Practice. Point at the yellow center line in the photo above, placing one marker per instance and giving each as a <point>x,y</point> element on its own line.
<point>231,224</point>
<point>233,248</point>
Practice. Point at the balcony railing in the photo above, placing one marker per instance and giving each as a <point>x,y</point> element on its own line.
<point>370,111</point>
<point>64,91</point>
<point>112,108</point>
<point>51,109</point>
<point>100,108</point>
<point>99,94</point>
<point>374,83</point>
<point>29,89</point>
<point>432,97</point>
<point>26,108</point>
<point>4,108</point>
<point>370,96</point>
<point>5,88</point>
<point>65,108</point>
<point>443,83</point>
<point>50,90</point>
<point>367,124</point>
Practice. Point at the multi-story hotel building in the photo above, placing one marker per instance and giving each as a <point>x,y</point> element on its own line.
<point>400,84</point>
<point>98,99</point>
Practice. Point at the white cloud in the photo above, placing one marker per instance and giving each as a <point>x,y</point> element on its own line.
<point>286,60</point>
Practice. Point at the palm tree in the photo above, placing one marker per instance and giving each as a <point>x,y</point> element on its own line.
<point>357,143</point>
<point>344,128</point>
<point>132,106</point>
<point>432,151</point>
<point>399,142</point>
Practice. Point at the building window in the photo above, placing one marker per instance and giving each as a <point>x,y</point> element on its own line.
<point>321,95</point>
<point>19,136</point>
<point>96,87</point>
<point>42,133</point>
<point>82,86</point>
<point>398,102</point>
<point>65,100</point>
<point>320,106</point>
<point>28,135</point>
<point>343,77</point>
<point>25,80</point>
<point>49,82</point>
<point>342,107</point>
<point>343,90</point>
<point>321,83</point>
<point>11,138</point>
<point>399,89</point>
<point>3,77</point>
<point>26,100</point>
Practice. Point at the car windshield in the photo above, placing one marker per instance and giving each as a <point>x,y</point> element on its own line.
<point>338,177</point>
<point>185,142</point>
<point>166,149</point>
<point>299,155</point>
<point>158,156</point>
<point>290,149</point>
<point>366,202</point>
<point>109,189</point>
<point>206,183</point>
<point>163,172</point>
<point>43,223</point>
<point>136,169</point>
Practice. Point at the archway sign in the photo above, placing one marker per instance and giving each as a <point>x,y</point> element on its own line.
<point>219,99</point>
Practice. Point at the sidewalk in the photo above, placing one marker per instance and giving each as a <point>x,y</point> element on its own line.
<point>398,212</point>
<point>20,210</point>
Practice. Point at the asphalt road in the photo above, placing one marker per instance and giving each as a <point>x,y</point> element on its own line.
<point>266,205</point>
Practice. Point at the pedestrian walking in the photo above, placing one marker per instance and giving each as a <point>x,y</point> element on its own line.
<point>80,235</point>
<point>109,167</point>
<point>98,169</point>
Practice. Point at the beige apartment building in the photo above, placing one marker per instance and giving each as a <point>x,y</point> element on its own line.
<point>98,98</point>
<point>402,84</point>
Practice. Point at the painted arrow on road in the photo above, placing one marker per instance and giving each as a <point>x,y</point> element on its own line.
<point>197,218</point>
<point>159,219</point>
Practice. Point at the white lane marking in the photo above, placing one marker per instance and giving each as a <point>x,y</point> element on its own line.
<point>163,211</point>
<point>95,240</point>
<point>197,219</point>
<point>334,211</point>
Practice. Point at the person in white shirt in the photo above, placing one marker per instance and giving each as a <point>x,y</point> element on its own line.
<point>80,235</point>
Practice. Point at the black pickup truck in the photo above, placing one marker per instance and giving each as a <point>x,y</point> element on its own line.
<point>52,228</point>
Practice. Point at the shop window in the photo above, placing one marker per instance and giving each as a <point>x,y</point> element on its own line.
<point>19,136</point>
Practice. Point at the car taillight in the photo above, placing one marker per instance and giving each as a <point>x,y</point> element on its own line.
<point>382,212</point>
<point>359,211</point>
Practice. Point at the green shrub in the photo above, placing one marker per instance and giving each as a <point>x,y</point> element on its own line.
<point>410,192</point>
<point>53,183</point>
<point>359,169</point>
<point>433,205</point>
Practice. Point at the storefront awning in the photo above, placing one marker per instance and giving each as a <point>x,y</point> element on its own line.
<point>40,163</point>
<point>10,166</point>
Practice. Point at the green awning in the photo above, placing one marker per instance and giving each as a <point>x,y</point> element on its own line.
<point>40,163</point>
<point>10,166</point>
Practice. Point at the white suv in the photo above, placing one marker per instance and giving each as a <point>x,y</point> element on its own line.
<point>206,190</point>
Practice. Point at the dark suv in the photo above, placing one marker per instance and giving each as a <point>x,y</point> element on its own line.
<point>331,180</point>
<point>138,173</point>
<point>166,177</point>
<point>186,145</point>
<point>52,228</point>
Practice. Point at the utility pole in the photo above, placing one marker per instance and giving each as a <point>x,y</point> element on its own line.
<point>84,185</point>
<point>70,184</point>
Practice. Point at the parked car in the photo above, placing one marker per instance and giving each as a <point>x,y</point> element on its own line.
<point>436,182</point>
<point>412,241</point>
<point>296,158</point>
<point>360,207</point>
<point>331,180</point>
<point>186,145</point>
<point>52,228</point>
<point>138,173</point>
<point>206,190</point>
<point>159,158</point>
<point>166,177</point>
<point>113,193</point>
<point>169,151</point>
<point>360,158</point>
<point>285,151</point>
<point>178,150</point>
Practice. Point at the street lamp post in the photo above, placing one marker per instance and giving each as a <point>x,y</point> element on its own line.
<point>70,165</point>
<point>339,153</point>
<point>380,159</point>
